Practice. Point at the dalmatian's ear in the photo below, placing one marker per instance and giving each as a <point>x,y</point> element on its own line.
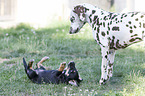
<point>80,11</point>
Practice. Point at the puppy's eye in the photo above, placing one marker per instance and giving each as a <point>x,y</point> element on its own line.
<point>72,71</point>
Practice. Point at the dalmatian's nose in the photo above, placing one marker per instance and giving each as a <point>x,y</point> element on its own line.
<point>70,31</point>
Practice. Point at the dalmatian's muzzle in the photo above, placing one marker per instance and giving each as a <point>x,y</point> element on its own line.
<point>71,31</point>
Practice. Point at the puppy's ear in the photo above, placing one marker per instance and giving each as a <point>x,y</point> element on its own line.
<point>81,12</point>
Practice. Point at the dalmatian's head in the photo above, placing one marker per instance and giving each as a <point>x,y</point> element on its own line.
<point>77,18</point>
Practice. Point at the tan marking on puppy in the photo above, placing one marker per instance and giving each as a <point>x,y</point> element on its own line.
<point>62,66</point>
<point>41,61</point>
<point>30,63</point>
<point>67,70</point>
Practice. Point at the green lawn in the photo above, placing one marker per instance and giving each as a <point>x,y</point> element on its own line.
<point>56,42</point>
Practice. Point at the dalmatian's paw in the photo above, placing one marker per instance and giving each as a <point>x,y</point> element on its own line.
<point>104,81</point>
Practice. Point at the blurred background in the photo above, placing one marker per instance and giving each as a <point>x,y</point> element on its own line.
<point>40,13</point>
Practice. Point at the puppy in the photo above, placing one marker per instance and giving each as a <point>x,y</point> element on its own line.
<point>42,75</point>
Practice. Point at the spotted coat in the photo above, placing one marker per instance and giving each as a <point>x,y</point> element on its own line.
<point>112,31</point>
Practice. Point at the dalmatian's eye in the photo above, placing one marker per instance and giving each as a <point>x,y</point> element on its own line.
<point>72,19</point>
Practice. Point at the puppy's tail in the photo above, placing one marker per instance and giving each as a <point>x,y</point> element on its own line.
<point>30,72</point>
<point>25,65</point>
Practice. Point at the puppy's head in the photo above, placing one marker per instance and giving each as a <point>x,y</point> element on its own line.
<point>72,74</point>
<point>77,18</point>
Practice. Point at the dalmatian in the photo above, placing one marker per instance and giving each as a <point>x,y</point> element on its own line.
<point>112,31</point>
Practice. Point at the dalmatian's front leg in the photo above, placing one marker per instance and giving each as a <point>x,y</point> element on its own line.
<point>104,73</point>
<point>107,64</point>
<point>111,56</point>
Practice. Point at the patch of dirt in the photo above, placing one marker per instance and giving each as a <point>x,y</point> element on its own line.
<point>9,65</point>
<point>2,60</point>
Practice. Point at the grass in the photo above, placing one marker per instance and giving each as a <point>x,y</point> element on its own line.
<point>55,41</point>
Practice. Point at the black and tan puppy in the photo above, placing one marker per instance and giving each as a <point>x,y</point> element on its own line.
<point>41,75</point>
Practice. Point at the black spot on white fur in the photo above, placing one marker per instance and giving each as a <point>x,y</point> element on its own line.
<point>115,28</point>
